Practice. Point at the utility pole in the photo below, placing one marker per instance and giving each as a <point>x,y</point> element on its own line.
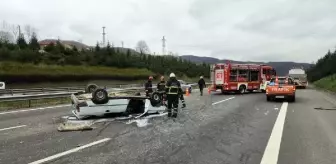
<point>104,36</point>
<point>19,31</point>
<point>122,44</point>
<point>163,46</point>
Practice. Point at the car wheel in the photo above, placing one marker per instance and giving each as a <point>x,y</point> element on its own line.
<point>100,96</point>
<point>91,88</point>
<point>292,99</point>
<point>155,98</point>
<point>268,98</point>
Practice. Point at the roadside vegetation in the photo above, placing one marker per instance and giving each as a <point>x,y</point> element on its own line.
<point>25,61</point>
<point>328,83</point>
<point>323,73</point>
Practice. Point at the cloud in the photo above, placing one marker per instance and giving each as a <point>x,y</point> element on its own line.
<point>260,30</point>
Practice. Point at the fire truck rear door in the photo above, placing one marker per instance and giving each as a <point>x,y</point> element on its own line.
<point>219,79</point>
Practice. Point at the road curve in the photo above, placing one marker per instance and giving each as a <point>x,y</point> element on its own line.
<point>242,129</point>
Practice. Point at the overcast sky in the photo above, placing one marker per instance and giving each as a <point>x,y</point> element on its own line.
<point>257,30</point>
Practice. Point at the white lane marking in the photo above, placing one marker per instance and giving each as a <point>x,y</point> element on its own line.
<point>222,101</point>
<point>69,151</point>
<point>271,153</point>
<point>14,127</point>
<point>28,110</point>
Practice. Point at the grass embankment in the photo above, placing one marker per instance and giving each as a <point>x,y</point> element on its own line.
<point>12,72</point>
<point>328,83</point>
<point>33,103</point>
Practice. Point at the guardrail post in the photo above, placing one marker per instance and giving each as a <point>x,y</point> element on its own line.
<point>42,90</point>
<point>29,103</point>
<point>12,92</point>
<point>69,90</point>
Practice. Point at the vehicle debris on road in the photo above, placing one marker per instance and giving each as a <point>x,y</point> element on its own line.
<point>67,126</point>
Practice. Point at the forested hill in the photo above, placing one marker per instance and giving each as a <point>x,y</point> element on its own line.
<point>281,67</point>
<point>325,66</point>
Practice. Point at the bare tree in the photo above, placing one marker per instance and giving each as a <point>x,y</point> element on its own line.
<point>142,47</point>
<point>4,34</point>
<point>28,31</point>
<point>4,26</point>
<point>15,31</point>
<point>6,37</point>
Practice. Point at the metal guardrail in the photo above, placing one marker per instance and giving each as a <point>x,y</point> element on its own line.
<point>37,96</point>
<point>46,93</point>
<point>38,90</point>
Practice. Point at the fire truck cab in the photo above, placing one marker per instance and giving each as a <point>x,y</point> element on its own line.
<point>240,78</point>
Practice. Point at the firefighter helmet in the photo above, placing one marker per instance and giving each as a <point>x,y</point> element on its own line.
<point>172,75</point>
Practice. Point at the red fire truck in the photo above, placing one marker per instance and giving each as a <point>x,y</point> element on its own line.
<point>240,77</point>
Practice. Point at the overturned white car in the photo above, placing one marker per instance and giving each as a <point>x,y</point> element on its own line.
<point>99,102</point>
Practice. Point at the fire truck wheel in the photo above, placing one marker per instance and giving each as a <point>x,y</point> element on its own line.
<point>242,89</point>
<point>223,91</point>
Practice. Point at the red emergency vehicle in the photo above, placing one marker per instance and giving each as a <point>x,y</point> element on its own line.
<point>240,77</point>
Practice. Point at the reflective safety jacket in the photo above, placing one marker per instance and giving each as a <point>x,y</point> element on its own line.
<point>173,87</point>
<point>161,86</point>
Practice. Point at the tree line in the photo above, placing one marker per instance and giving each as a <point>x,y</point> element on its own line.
<point>29,51</point>
<point>324,67</point>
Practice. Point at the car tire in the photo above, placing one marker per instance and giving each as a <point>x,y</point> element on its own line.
<point>155,98</point>
<point>268,98</point>
<point>100,96</point>
<point>292,99</point>
<point>91,88</point>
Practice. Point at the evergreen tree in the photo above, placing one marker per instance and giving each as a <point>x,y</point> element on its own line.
<point>97,48</point>
<point>33,43</point>
<point>21,42</point>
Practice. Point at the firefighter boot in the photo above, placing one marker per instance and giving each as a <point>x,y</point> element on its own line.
<point>174,114</point>
<point>169,112</point>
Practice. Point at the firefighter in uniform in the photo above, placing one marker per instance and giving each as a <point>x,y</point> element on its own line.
<point>161,88</point>
<point>173,91</point>
<point>161,85</point>
<point>149,86</point>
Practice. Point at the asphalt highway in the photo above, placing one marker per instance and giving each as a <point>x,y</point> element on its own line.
<point>216,129</point>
